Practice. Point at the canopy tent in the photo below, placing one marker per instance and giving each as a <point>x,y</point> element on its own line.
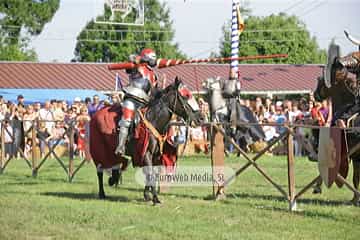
<point>42,95</point>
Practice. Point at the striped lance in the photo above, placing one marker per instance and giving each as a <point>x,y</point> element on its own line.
<point>163,63</point>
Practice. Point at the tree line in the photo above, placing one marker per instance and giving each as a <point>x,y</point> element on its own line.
<point>281,33</point>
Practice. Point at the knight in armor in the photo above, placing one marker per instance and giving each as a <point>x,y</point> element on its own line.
<point>142,83</point>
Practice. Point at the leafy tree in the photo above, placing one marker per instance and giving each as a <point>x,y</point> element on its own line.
<point>20,19</point>
<point>112,43</point>
<point>17,52</point>
<point>275,34</point>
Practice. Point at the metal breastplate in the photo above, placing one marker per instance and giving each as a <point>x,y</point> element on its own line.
<point>141,83</point>
<point>138,88</point>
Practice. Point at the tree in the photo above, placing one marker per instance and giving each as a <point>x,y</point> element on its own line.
<point>113,43</point>
<point>18,21</point>
<point>275,34</point>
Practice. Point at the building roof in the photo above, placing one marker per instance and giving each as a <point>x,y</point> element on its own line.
<point>255,78</point>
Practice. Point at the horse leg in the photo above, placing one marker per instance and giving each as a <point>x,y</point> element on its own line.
<point>155,196</point>
<point>115,176</point>
<point>147,197</point>
<point>356,180</point>
<point>154,187</point>
<point>150,179</point>
<point>101,185</point>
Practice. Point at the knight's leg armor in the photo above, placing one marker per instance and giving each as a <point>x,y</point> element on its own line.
<point>128,114</point>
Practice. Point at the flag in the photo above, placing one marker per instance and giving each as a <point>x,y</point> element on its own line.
<point>118,84</point>
<point>241,24</point>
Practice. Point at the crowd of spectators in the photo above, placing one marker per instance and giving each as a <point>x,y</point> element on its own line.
<point>301,111</point>
<point>278,112</point>
<point>51,119</point>
<point>56,116</point>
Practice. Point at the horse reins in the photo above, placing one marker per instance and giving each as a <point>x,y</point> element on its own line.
<point>161,138</point>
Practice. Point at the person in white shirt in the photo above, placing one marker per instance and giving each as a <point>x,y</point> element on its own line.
<point>8,139</point>
<point>47,115</point>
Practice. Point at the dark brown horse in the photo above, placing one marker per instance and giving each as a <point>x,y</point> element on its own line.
<point>343,95</point>
<point>176,98</point>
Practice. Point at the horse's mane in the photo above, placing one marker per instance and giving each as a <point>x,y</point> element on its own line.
<point>160,93</point>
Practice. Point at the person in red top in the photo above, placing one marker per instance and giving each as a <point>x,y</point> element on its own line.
<point>142,83</point>
<point>317,116</point>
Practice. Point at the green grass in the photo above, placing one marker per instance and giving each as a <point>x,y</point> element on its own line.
<point>48,207</point>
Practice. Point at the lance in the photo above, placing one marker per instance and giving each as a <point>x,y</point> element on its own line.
<point>163,63</point>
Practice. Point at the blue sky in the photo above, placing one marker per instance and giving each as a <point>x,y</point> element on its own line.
<point>198,23</point>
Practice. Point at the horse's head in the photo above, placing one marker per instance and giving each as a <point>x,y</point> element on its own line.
<point>182,102</point>
<point>211,84</point>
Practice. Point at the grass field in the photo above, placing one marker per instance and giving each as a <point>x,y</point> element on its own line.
<point>48,207</point>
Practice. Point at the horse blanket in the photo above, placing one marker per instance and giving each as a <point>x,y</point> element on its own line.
<point>103,141</point>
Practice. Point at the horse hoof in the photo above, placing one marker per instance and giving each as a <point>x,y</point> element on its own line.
<point>355,201</point>
<point>112,181</point>
<point>317,191</point>
<point>156,201</point>
<point>147,197</point>
<point>220,197</point>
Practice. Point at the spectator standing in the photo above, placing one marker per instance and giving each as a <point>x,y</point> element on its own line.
<point>29,117</point>
<point>42,137</point>
<point>247,103</point>
<point>82,128</point>
<point>95,105</point>
<point>258,105</point>
<point>2,113</point>
<point>8,139</point>
<point>294,113</point>
<point>326,112</point>
<point>267,105</point>
<point>21,101</point>
<point>45,114</point>
<point>280,119</point>
<point>269,114</point>
<point>87,101</point>
<point>204,109</point>
<point>17,126</point>
<point>317,115</point>
<point>57,134</point>
<point>37,107</point>
<point>269,131</point>
<point>77,104</point>
<point>115,99</point>
<point>28,148</point>
<point>58,112</point>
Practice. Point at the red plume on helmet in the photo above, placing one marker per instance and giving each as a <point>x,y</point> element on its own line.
<point>148,56</point>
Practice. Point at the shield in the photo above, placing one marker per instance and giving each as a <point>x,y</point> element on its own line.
<point>333,53</point>
<point>332,153</point>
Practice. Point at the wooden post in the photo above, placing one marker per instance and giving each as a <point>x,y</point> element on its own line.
<point>291,171</point>
<point>2,157</point>
<point>33,152</point>
<point>217,162</point>
<point>71,153</point>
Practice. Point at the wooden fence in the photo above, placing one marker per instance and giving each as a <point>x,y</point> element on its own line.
<point>35,162</point>
<point>290,194</point>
